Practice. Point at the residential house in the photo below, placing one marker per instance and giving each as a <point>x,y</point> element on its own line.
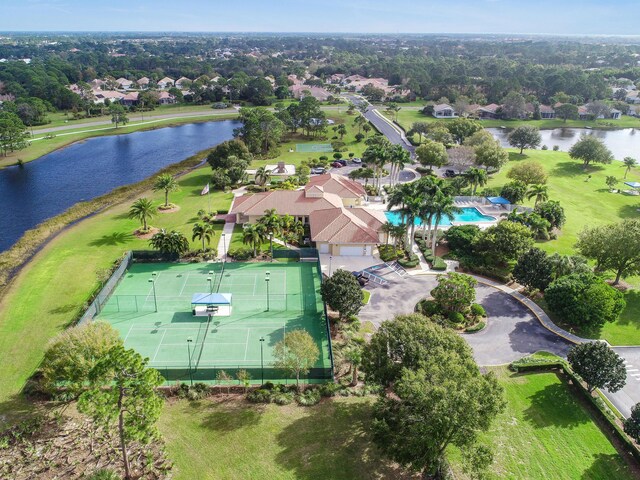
<point>143,82</point>
<point>96,84</point>
<point>166,82</point>
<point>183,83</point>
<point>101,95</point>
<point>488,111</point>
<point>299,91</point>
<point>165,98</point>
<point>130,99</point>
<point>123,83</point>
<point>632,97</point>
<point>547,112</point>
<point>444,111</point>
<point>615,114</point>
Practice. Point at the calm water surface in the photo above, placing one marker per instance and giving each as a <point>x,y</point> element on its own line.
<point>85,170</point>
<point>624,142</point>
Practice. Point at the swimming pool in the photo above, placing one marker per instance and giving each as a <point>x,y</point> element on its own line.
<point>468,215</point>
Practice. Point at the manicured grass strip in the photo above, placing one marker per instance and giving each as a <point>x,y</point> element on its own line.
<point>233,439</point>
<point>546,432</point>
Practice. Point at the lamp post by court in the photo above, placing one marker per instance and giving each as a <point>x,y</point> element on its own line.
<point>152,281</point>
<point>262,359</point>
<point>224,247</point>
<point>189,340</point>
<point>210,280</point>
<point>330,258</point>
<point>266,279</point>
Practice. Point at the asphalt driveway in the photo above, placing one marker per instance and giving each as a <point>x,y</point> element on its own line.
<point>512,331</point>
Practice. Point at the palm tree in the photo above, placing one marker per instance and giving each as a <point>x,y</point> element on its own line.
<point>263,175</point>
<point>411,211</point>
<point>398,157</point>
<point>341,130</point>
<point>387,228</point>
<point>397,233</point>
<point>253,234</point>
<point>203,232</point>
<point>443,206</point>
<point>272,224</point>
<point>167,183</point>
<point>540,192</point>
<point>476,177</point>
<point>142,210</point>
<point>629,163</point>
<point>171,243</point>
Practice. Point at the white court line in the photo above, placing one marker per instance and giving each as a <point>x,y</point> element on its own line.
<point>159,345</point>
<point>632,370</point>
<point>219,327</point>
<point>184,284</point>
<point>255,284</point>
<point>130,328</point>
<point>247,344</point>
<point>206,343</point>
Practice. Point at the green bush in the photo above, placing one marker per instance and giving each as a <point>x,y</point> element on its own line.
<point>456,318</point>
<point>410,262</point>
<point>260,395</point>
<point>478,310</point>
<point>223,212</point>
<point>308,398</point>
<point>388,253</point>
<point>104,474</point>
<point>438,264</point>
<point>240,253</point>
<point>330,389</point>
<point>476,328</point>
<point>283,398</point>
<point>428,307</point>
<point>268,386</point>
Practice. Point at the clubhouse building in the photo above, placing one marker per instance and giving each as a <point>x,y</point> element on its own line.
<point>332,206</point>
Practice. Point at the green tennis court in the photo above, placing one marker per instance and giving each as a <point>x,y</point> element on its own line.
<point>313,147</point>
<point>180,345</point>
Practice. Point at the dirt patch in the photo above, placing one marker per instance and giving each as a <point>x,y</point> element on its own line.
<point>146,235</point>
<point>64,446</point>
<point>168,209</point>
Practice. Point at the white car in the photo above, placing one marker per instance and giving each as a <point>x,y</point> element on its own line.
<point>356,160</point>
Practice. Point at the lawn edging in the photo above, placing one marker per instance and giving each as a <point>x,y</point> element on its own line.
<point>602,411</point>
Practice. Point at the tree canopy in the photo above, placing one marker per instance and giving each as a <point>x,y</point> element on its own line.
<point>598,365</point>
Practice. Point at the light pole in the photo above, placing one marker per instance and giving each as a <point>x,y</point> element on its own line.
<point>224,247</point>
<point>330,258</point>
<point>262,359</point>
<point>189,340</point>
<point>210,285</point>
<point>152,281</point>
<point>266,279</point>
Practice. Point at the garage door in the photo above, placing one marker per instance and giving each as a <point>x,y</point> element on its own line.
<point>324,248</point>
<point>352,251</point>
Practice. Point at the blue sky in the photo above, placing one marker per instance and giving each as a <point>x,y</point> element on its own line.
<point>391,16</point>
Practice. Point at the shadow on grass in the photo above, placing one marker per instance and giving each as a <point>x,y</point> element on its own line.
<point>606,466</point>
<point>554,406</point>
<point>333,441</point>
<point>574,169</point>
<point>516,157</point>
<point>115,238</point>
<point>196,180</point>
<point>629,211</point>
<point>631,314</point>
<point>70,307</point>
<point>227,417</point>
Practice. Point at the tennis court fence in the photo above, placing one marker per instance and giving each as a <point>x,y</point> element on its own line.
<point>300,254</point>
<point>228,374</point>
<point>95,307</point>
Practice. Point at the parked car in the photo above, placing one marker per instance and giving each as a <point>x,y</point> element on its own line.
<point>356,160</point>
<point>449,173</point>
<point>318,170</point>
<point>337,165</point>
<point>342,161</point>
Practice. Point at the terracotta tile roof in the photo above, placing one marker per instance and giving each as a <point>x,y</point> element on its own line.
<point>442,106</point>
<point>492,107</point>
<point>340,226</point>
<point>338,184</point>
<point>373,218</point>
<point>143,81</point>
<point>285,202</point>
<point>546,109</point>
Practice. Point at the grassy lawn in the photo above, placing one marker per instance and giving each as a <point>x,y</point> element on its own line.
<point>545,432</point>
<point>586,203</point>
<point>47,295</point>
<point>293,157</point>
<point>236,241</point>
<point>233,439</point>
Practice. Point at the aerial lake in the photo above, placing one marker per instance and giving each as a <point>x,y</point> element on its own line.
<point>88,169</point>
<point>624,142</point>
